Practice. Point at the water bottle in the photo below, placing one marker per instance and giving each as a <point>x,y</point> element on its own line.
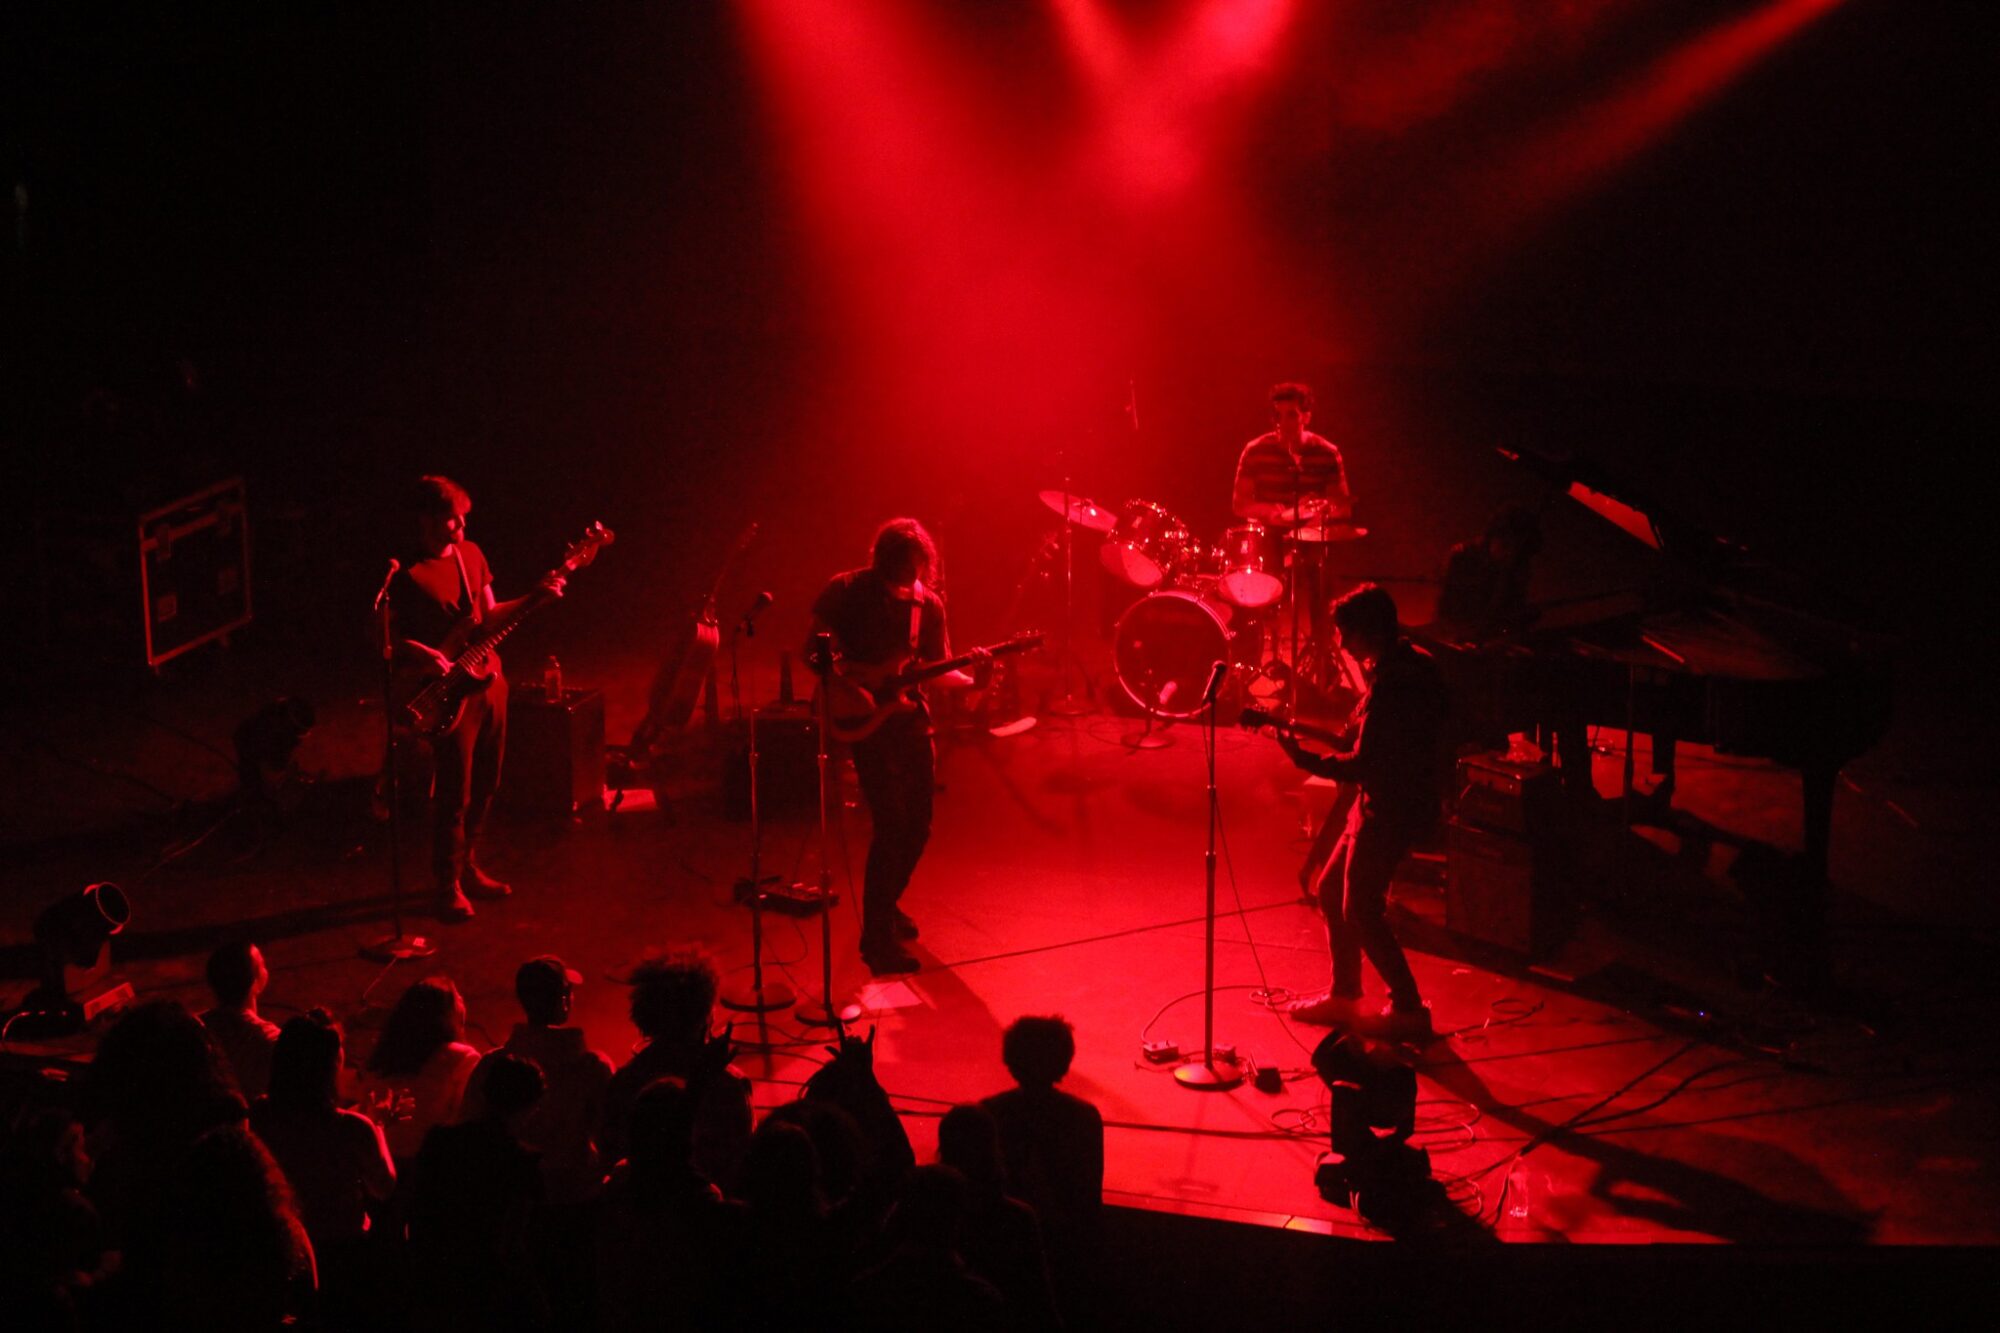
<point>1517,1192</point>
<point>552,679</point>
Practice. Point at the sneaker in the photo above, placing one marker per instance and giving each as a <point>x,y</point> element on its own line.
<point>891,960</point>
<point>903,926</point>
<point>482,885</point>
<point>1412,1025</point>
<point>1332,1011</point>
<point>451,905</point>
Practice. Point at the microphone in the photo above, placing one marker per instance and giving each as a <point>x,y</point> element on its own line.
<point>748,625</point>
<point>1215,675</point>
<point>382,593</point>
<point>1167,693</point>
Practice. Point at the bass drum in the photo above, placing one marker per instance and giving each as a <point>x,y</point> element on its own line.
<point>1165,646</point>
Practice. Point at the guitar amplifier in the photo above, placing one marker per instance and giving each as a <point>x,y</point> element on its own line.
<point>1506,890</point>
<point>555,752</point>
<point>1517,796</point>
<point>787,762</point>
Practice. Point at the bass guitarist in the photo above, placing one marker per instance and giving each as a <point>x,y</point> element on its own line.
<point>444,583</point>
<point>878,617</point>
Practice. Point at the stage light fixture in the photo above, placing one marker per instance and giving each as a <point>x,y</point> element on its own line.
<point>78,986</point>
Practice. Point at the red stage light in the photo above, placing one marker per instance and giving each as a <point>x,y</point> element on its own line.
<point>1609,133</point>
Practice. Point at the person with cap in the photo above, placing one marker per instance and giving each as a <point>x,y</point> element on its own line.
<point>562,1126</point>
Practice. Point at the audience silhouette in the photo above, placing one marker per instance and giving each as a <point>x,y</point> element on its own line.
<point>534,1187</point>
<point>237,976</point>
<point>417,1074</point>
<point>1053,1146</point>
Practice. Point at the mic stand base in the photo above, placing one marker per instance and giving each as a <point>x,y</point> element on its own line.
<point>815,1014</point>
<point>757,1000</point>
<point>1218,1073</point>
<point>1068,704</point>
<point>398,949</point>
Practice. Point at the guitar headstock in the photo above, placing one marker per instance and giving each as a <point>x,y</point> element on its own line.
<point>585,548</point>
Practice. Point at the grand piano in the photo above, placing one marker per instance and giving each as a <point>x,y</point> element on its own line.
<point>1720,647</point>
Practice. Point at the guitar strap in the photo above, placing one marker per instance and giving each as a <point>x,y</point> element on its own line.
<point>465,586</point>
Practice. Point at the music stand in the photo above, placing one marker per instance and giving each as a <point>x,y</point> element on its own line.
<point>822,1013</point>
<point>759,996</point>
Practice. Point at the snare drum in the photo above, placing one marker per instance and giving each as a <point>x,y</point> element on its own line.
<point>1148,547</point>
<point>1248,573</point>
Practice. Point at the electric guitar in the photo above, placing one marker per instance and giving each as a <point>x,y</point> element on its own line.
<point>677,685</point>
<point>860,697</point>
<point>432,704</point>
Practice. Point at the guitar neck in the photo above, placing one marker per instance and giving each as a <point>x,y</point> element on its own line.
<point>490,640</point>
<point>1254,718</point>
<point>919,674</point>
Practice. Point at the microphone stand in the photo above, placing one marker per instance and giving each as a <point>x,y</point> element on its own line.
<point>823,1014</point>
<point>760,996</point>
<point>1213,1073</point>
<point>395,947</point>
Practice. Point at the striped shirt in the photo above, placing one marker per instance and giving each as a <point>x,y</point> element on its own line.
<point>1266,473</point>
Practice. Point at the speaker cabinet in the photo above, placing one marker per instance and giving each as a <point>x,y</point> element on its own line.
<point>555,752</point>
<point>787,763</point>
<point>1505,890</point>
<point>194,570</point>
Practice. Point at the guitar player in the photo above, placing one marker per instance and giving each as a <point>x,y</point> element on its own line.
<point>1397,760</point>
<point>446,581</point>
<point>877,617</point>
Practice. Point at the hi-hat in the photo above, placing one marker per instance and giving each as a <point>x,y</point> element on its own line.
<point>1084,513</point>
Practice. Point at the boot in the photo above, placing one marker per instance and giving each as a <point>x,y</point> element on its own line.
<point>482,885</point>
<point>450,905</point>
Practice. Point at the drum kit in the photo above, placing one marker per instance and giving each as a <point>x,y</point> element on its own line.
<point>1204,602</point>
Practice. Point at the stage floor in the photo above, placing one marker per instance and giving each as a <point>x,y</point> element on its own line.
<point>1644,1084</point>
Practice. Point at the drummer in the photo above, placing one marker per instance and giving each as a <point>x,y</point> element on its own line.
<point>1289,476</point>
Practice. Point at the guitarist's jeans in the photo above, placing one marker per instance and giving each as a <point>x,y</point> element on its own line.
<point>468,771</point>
<point>897,770</point>
<point>1353,896</point>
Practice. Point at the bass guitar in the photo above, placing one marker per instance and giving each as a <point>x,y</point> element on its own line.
<point>861,697</point>
<point>433,704</point>
<point>1254,719</point>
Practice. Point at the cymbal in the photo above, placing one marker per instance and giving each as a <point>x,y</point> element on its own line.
<point>1084,513</point>
<point>1341,531</point>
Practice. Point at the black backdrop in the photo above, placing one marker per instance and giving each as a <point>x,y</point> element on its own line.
<point>329,246</point>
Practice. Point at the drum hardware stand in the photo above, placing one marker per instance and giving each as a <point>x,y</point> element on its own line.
<point>822,1013</point>
<point>397,946</point>
<point>760,996</point>
<point>1214,1071</point>
<point>1294,554</point>
<point>1068,705</point>
<point>1146,738</point>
